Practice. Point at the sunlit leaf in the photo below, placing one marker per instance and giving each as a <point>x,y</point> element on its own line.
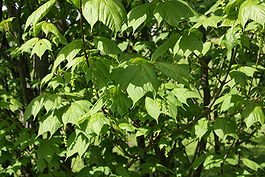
<point>137,79</point>
<point>75,111</point>
<point>38,14</point>
<point>138,15</point>
<point>96,122</point>
<point>34,107</point>
<point>40,47</point>
<point>111,13</point>
<point>253,114</point>
<point>27,46</point>
<point>250,10</point>
<point>183,94</point>
<point>251,164</point>
<point>51,28</point>
<point>49,123</point>
<point>152,107</point>
<point>67,53</point>
<point>201,127</point>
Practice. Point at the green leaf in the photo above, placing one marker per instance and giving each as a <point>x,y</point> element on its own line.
<point>51,28</point>
<point>75,111</point>
<point>67,53</point>
<point>38,14</point>
<point>183,94</point>
<point>52,102</point>
<point>27,46</point>
<point>107,46</point>
<point>208,22</point>
<point>201,127</point>
<point>79,145</point>
<point>99,72</point>
<point>224,127</point>
<point>121,171</point>
<point>121,103</point>
<point>40,47</point>
<point>5,24</point>
<point>95,108</point>
<point>213,161</point>
<point>49,123</point>
<point>226,102</point>
<point>47,150</point>
<point>251,164</point>
<point>232,38</point>
<point>77,164</point>
<point>96,122</point>
<point>34,107</point>
<point>111,13</point>
<point>187,44</point>
<point>137,79</point>
<point>250,10</point>
<point>173,11</point>
<point>162,49</point>
<point>127,127</point>
<point>152,107</point>
<point>176,72</point>
<point>253,114</point>
<point>74,63</point>
<point>173,104</point>
<point>138,15</point>
<point>76,3</point>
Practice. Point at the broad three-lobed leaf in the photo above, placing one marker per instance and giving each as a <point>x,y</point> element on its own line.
<point>110,12</point>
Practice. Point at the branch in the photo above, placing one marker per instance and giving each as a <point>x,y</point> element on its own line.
<point>82,31</point>
<point>207,111</point>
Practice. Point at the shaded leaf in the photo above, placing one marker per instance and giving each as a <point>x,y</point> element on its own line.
<point>162,49</point>
<point>173,11</point>
<point>187,44</point>
<point>121,103</point>
<point>224,127</point>
<point>176,72</point>
<point>107,46</point>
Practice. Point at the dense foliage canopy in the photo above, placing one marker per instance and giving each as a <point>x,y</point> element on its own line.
<point>131,87</point>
